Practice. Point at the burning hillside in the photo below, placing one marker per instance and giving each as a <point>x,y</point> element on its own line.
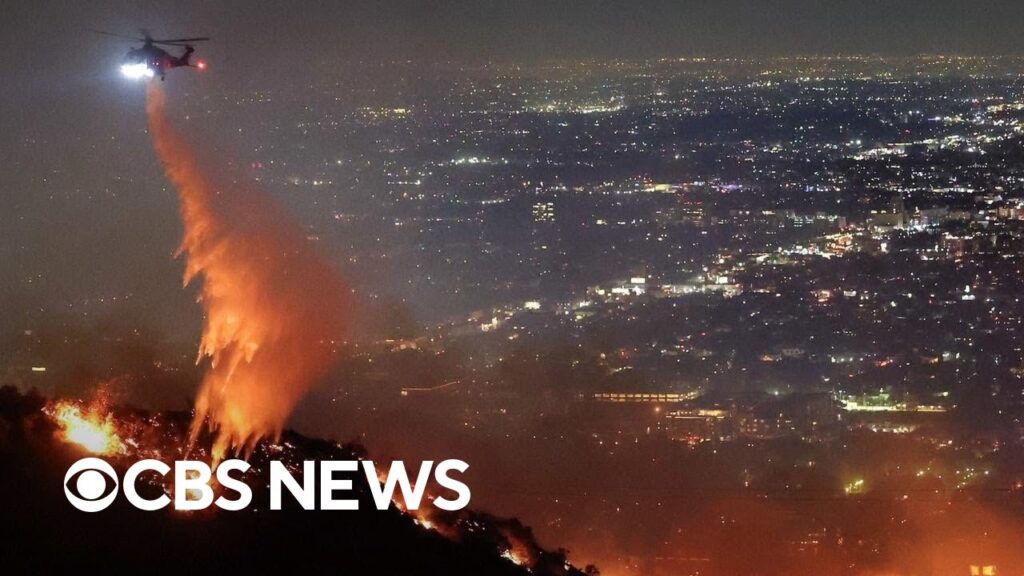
<point>38,440</point>
<point>272,312</point>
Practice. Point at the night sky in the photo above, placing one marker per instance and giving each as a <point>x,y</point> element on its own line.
<point>86,213</point>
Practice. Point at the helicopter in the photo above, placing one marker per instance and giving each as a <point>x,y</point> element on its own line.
<point>150,60</point>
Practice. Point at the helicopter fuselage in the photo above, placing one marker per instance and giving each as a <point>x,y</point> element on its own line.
<point>151,59</point>
<point>157,59</point>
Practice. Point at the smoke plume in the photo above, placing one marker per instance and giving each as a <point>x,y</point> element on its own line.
<point>272,307</point>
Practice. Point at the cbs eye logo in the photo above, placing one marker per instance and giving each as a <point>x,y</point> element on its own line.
<point>90,484</point>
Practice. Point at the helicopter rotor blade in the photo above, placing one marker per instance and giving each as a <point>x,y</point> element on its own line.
<point>182,40</point>
<point>123,36</point>
<point>146,37</point>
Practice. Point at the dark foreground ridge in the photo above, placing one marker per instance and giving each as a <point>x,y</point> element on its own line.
<point>43,534</point>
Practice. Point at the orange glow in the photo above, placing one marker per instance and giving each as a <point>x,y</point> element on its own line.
<point>272,307</point>
<point>518,552</point>
<point>512,556</point>
<point>86,427</point>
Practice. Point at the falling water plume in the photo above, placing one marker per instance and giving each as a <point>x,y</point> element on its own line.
<point>273,307</point>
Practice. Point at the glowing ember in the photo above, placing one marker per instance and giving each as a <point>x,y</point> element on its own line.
<point>86,427</point>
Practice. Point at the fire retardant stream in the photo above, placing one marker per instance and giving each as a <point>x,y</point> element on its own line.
<point>272,306</point>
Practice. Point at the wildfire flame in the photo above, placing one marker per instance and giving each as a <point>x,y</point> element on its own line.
<point>272,306</point>
<point>87,427</point>
<point>518,552</point>
<point>514,557</point>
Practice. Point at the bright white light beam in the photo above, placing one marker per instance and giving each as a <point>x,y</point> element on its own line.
<point>138,70</point>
